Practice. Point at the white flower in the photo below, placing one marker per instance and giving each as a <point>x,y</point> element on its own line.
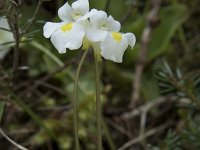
<point>105,35</point>
<point>101,25</point>
<point>65,35</point>
<point>115,44</point>
<point>69,33</point>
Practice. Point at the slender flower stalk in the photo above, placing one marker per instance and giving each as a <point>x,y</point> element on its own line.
<point>75,116</point>
<point>98,105</point>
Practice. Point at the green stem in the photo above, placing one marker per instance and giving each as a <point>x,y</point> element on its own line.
<point>98,105</point>
<point>108,135</point>
<point>75,116</point>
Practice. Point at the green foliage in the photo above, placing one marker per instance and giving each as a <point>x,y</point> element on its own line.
<point>1,110</point>
<point>172,141</point>
<point>183,85</point>
<point>167,28</point>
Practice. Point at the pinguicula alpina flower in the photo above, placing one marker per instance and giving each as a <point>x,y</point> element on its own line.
<point>93,28</point>
<point>105,33</point>
<point>70,32</point>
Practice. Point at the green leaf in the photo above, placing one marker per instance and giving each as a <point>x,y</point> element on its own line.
<point>171,17</point>
<point>47,52</point>
<point>136,27</point>
<point>1,110</point>
<point>49,63</point>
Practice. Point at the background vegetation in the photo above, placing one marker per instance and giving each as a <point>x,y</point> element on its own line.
<point>150,102</point>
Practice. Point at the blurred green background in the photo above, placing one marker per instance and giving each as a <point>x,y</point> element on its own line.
<point>36,109</point>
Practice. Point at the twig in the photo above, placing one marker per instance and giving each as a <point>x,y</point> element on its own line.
<point>56,108</point>
<point>146,107</point>
<point>5,99</point>
<point>32,20</point>
<point>107,7</point>
<point>118,128</point>
<point>54,88</point>
<point>5,29</point>
<point>17,40</point>
<point>143,122</point>
<point>128,13</point>
<point>145,135</point>
<point>1,6</point>
<point>142,58</point>
<point>11,141</point>
<point>14,27</point>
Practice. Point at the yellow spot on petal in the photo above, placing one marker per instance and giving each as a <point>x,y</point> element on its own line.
<point>117,36</point>
<point>67,27</point>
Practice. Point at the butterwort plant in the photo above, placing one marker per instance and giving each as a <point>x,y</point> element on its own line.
<point>89,29</point>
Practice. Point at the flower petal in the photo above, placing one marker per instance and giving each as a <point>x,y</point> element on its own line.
<point>71,39</point>
<point>58,40</point>
<point>86,24</point>
<point>131,39</point>
<point>5,37</point>
<point>113,25</point>
<point>96,35</point>
<point>113,50</point>
<point>98,18</point>
<point>88,15</point>
<point>81,5</point>
<point>65,12</point>
<point>75,37</point>
<point>49,28</point>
